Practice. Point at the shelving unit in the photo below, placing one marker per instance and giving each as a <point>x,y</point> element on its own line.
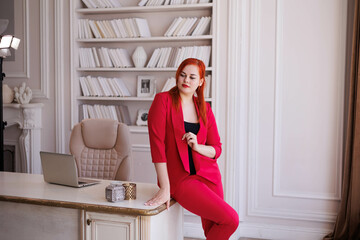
<point>159,19</point>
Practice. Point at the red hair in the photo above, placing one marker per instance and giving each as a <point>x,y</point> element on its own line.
<point>200,100</point>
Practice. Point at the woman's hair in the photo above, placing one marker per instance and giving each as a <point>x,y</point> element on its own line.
<point>200,100</point>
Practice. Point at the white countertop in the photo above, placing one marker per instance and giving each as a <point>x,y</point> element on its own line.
<point>31,188</point>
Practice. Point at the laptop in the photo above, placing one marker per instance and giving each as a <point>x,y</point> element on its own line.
<point>61,169</point>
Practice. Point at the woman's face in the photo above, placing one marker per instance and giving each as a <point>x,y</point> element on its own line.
<point>189,80</point>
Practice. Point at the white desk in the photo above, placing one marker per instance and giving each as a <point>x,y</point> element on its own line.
<point>33,209</point>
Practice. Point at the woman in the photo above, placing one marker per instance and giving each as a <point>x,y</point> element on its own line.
<point>185,144</point>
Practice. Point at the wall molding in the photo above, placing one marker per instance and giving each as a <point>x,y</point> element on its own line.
<point>25,73</point>
<point>253,208</point>
<point>44,91</point>
<point>268,231</point>
<point>140,147</point>
<point>59,77</point>
<point>279,80</point>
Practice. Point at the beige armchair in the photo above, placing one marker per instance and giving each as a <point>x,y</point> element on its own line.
<point>102,149</point>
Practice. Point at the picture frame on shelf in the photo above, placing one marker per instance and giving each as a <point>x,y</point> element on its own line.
<point>142,117</point>
<point>146,86</point>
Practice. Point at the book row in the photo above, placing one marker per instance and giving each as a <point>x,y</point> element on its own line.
<point>169,2</point>
<point>103,87</point>
<point>191,26</point>
<point>116,28</point>
<point>171,82</point>
<point>119,113</point>
<point>102,3</point>
<point>160,58</point>
<point>173,56</point>
<point>104,57</point>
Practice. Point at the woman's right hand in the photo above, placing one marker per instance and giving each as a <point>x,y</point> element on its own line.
<point>162,196</point>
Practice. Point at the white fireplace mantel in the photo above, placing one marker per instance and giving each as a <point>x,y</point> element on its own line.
<point>28,119</point>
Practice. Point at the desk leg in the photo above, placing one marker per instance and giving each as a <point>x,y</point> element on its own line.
<point>164,226</point>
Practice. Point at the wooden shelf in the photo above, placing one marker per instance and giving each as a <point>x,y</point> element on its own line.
<point>131,69</point>
<point>147,39</point>
<point>137,9</point>
<point>141,99</point>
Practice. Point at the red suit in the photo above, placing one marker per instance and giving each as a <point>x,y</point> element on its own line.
<point>202,193</point>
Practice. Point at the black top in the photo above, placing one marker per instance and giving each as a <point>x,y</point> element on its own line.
<point>193,128</point>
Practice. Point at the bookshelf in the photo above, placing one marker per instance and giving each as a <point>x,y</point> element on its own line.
<point>159,19</point>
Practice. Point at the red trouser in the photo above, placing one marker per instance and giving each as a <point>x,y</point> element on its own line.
<point>206,200</point>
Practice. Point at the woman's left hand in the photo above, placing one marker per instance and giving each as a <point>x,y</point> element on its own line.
<point>191,140</point>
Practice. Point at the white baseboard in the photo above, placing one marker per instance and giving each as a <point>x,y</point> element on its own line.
<point>280,232</point>
<point>262,231</point>
<point>193,230</point>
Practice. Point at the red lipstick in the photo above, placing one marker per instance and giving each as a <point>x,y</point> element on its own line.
<point>185,86</point>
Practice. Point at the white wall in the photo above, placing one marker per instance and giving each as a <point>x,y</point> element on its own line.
<point>291,111</point>
<point>279,106</point>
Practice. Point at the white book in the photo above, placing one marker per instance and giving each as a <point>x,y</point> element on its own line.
<point>134,27</point>
<point>115,3</point>
<point>166,2</point>
<point>104,29</point>
<point>100,29</point>
<point>173,26</point>
<point>142,3</point>
<point>151,61</point>
<point>90,86</point>
<point>167,57</point>
<point>198,26</point>
<point>114,87</point>
<point>85,111</point>
<point>156,57</point>
<point>121,27</point>
<point>127,24</point>
<point>110,29</point>
<point>97,87</point>
<point>207,86</point>
<point>84,89</point>
<point>94,29</point>
<point>103,86</point>
<point>90,110</point>
<point>126,58</point>
<point>170,83</point>
<point>205,26</point>
<point>97,111</point>
<point>96,57</point>
<point>191,26</point>
<point>88,31</point>
<point>142,24</point>
<point>80,30</point>
<point>115,28</point>
<point>107,57</point>
<point>124,89</point>
<point>185,27</point>
<point>113,57</point>
<point>161,59</point>
<point>88,4</point>
<point>91,58</point>
<point>178,28</point>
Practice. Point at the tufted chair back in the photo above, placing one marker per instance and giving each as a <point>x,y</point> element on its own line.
<point>102,149</point>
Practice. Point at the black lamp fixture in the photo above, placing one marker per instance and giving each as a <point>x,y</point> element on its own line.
<point>6,42</point>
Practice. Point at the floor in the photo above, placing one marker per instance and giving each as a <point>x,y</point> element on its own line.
<point>239,239</point>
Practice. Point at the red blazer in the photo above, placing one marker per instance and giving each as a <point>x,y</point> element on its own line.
<point>166,129</point>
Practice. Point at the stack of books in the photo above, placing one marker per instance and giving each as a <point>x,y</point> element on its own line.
<point>191,26</point>
<point>119,113</point>
<point>103,87</point>
<point>102,3</point>
<point>116,28</point>
<point>104,57</point>
<point>173,56</point>
<point>171,82</point>
<point>169,2</point>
